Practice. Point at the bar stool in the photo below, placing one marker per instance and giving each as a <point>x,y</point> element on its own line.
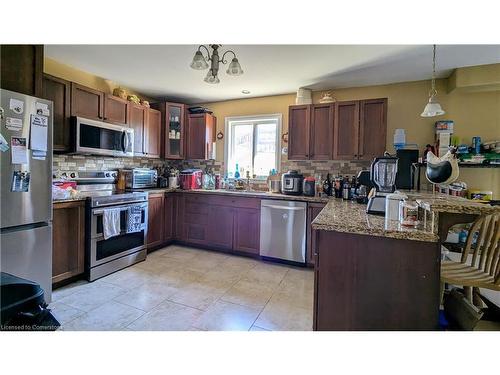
<point>479,266</point>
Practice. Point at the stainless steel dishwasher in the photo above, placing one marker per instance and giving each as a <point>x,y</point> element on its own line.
<point>283,230</point>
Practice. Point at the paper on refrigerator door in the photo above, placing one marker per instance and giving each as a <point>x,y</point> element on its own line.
<point>19,151</point>
<point>42,109</point>
<point>39,130</point>
<point>4,145</point>
<point>16,106</point>
<point>14,124</point>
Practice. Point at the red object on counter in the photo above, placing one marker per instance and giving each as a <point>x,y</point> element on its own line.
<point>64,184</point>
<point>190,179</point>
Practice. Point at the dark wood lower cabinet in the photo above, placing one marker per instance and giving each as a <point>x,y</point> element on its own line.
<point>68,236</point>
<point>156,220</point>
<point>247,230</point>
<point>375,283</point>
<point>220,226</point>
<point>168,209</point>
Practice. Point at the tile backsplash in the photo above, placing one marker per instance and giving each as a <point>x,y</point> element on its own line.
<point>98,163</point>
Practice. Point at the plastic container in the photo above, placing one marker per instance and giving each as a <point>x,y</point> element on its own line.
<point>399,139</point>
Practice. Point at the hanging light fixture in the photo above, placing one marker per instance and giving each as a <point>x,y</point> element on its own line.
<point>200,62</point>
<point>433,108</point>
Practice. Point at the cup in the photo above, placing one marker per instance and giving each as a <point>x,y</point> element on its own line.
<point>173,182</point>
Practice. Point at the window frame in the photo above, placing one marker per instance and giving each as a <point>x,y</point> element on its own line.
<point>254,120</point>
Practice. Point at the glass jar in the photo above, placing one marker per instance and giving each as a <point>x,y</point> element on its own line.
<point>408,213</point>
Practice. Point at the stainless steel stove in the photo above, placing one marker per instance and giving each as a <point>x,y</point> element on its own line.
<point>105,256</point>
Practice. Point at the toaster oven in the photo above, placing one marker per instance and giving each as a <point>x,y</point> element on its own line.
<point>140,178</point>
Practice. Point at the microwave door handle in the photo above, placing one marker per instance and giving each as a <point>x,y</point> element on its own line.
<point>124,141</point>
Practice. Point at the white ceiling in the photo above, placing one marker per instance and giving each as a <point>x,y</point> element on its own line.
<point>162,71</point>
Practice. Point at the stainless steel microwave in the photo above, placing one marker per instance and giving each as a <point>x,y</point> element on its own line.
<point>100,138</point>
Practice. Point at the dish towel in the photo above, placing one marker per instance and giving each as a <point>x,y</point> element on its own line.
<point>111,222</point>
<point>134,219</point>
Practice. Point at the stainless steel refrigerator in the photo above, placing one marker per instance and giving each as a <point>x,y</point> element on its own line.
<point>26,192</point>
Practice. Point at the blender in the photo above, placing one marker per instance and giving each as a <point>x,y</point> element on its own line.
<point>383,173</point>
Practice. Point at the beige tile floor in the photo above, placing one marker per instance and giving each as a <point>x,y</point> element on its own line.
<point>181,288</point>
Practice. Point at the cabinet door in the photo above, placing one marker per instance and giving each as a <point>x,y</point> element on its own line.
<point>168,214</point>
<point>152,133</point>
<point>247,230</point>
<point>115,110</point>
<point>372,128</point>
<point>321,147</point>
<point>313,209</point>
<point>346,134</point>
<point>68,240</point>
<point>155,220</point>
<point>137,121</point>
<point>86,102</point>
<point>59,91</point>
<point>21,68</point>
<point>220,226</point>
<point>200,136</point>
<point>174,130</point>
<point>299,123</point>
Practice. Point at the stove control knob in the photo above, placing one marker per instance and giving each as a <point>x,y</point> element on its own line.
<point>107,174</point>
<point>63,174</point>
<point>113,174</point>
<point>72,175</point>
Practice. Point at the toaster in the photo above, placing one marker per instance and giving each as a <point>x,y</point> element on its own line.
<point>140,178</point>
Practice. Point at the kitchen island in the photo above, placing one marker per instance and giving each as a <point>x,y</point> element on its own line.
<point>373,275</point>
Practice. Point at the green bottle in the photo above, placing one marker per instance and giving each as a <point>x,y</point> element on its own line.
<point>237,173</point>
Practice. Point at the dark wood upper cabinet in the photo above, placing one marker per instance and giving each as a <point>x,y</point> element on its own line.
<point>200,136</point>
<point>247,230</point>
<point>346,130</point>
<point>68,240</point>
<point>173,120</point>
<point>220,226</point>
<point>137,121</point>
<point>86,102</point>
<point>321,133</point>
<point>299,123</point>
<point>115,110</point>
<point>21,68</point>
<point>156,220</point>
<point>152,133</point>
<point>59,91</point>
<point>372,128</point>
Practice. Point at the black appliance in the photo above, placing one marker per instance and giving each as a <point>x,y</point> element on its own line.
<point>407,168</point>
<point>23,306</point>
<point>291,183</point>
<point>309,188</point>
<point>198,109</point>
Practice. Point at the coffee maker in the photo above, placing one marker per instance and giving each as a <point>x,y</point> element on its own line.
<point>383,172</point>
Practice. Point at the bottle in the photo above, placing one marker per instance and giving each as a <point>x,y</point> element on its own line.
<point>338,186</point>
<point>237,172</point>
<point>346,189</point>
<point>327,185</point>
<point>354,185</point>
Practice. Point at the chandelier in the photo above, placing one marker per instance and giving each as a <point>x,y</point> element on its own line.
<point>433,108</point>
<point>200,62</point>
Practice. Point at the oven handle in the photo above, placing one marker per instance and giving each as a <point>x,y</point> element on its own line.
<point>123,208</point>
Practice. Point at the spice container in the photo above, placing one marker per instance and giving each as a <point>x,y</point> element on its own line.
<point>408,213</point>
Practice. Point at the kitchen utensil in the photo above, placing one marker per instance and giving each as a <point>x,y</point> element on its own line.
<point>383,173</point>
<point>291,183</point>
<point>392,205</point>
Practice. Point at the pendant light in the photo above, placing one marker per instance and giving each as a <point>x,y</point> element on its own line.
<point>212,61</point>
<point>433,108</point>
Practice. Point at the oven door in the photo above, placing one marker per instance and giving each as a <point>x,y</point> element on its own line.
<point>96,137</point>
<point>101,250</point>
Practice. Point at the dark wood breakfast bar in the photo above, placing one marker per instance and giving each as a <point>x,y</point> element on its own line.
<point>376,275</point>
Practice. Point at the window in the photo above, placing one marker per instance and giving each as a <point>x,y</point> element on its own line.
<point>252,142</point>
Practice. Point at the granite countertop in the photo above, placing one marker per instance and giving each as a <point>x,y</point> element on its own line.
<point>74,199</point>
<point>260,194</point>
<point>351,217</point>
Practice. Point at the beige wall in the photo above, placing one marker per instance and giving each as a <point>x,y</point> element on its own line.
<point>69,73</point>
<point>474,114</point>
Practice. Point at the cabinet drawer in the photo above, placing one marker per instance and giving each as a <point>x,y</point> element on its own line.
<point>196,208</point>
<point>201,219</point>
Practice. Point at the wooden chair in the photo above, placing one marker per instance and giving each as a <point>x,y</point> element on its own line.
<point>479,266</point>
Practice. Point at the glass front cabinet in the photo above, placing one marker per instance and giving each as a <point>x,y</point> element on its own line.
<point>173,125</point>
